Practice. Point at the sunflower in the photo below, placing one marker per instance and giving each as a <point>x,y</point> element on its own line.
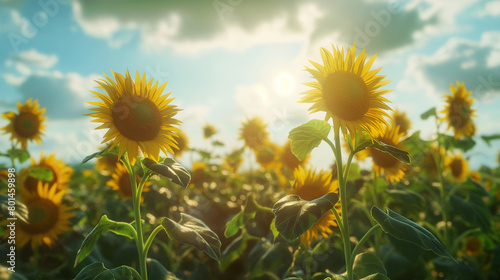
<point>473,246</point>
<point>428,163</point>
<point>234,160</point>
<point>267,155</point>
<point>208,131</point>
<point>310,185</point>
<point>198,174</point>
<point>182,143</point>
<point>136,115</point>
<point>48,216</point>
<point>393,169</point>
<point>27,125</point>
<point>401,119</point>
<point>458,167</point>
<point>458,111</point>
<point>61,173</point>
<point>254,133</point>
<point>348,91</point>
<point>289,160</point>
<point>106,165</point>
<point>120,181</point>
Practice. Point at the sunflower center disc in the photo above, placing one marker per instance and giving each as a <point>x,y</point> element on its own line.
<point>43,216</point>
<point>346,95</point>
<point>26,124</point>
<point>459,113</point>
<point>136,118</point>
<point>456,168</point>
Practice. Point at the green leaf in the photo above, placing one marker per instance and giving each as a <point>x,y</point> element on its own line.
<point>489,138</point>
<point>192,231</point>
<point>41,173</point>
<point>407,198</point>
<point>366,264</point>
<point>272,260</point>
<point>463,144</point>
<point>233,251</point>
<point>170,169</point>
<point>239,220</point>
<point>217,143</point>
<point>20,212</point>
<point>157,271</point>
<point>308,136</point>
<point>104,225</point>
<point>103,153</point>
<point>273,229</point>
<point>404,229</point>
<point>19,154</point>
<point>399,154</point>
<point>473,211</point>
<point>97,271</point>
<point>294,216</point>
<point>376,276</point>
<point>429,113</point>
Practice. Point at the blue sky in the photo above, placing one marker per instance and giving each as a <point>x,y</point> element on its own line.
<point>224,60</point>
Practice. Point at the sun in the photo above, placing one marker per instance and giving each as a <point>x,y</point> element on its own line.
<point>136,115</point>
<point>48,216</point>
<point>393,169</point>
<point>349,92</point>
<point>120,181</point>
<point>458,111</point>
<point>310,185</point>
<point>285,83</point>
<point>27,125</point>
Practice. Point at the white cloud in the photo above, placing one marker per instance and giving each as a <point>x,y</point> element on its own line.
<point>193,26</point>
<point>33,58</point>
<point>491,8</point>
<point>12,79</point>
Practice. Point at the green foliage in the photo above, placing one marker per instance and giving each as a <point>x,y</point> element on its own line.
<point>404,229</point>
<point>192,231</point>
<point>239,220</point>
<point>170,169</point>
<point>473,211</point>
<point>366,141</point>
<point>97,271</point>
<point>41,173</point>
<point>294,216</point>
<point>489,138</point>
<point>104,225</point>
<point>308,136</point>
<point>429,113</point>
<point>233,251</point>
<point>368,264</point>
<point>106,152</point>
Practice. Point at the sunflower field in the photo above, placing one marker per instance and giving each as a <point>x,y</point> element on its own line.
<point>390,202</point>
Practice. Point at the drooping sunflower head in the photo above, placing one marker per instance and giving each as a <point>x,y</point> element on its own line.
<point>48,216</point>
<point>208,131</point>
<point>267,155</point>
<point>27,125</point>
<point>401,119</point>
<point>61,173</point>
<point>348,91</point>
<point>393,169</point>
<point>120,181</point>
<point>136,115</point>
<point>182,143</point>
<point>457,166</point>
<point>254,132</point>
<point>310,185</point>
<point>458,111</point>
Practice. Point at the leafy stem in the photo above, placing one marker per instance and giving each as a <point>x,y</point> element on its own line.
<point>361,242</point>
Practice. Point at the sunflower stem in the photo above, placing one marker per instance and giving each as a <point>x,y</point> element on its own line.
<point>12,159</point>
<point>136,201</point>
<point>150,239</point>
<point>439,164</point>
<point>343,203</point>
<point>361,242</point>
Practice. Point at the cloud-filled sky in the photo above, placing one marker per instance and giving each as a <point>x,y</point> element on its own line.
<point>226,60</point>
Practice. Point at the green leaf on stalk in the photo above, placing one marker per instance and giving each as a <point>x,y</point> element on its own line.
<point>489,138</point>
<point>20,154</point>
<point>294,216</point>
<point>41,173</point>
<point>367,264</point>
<point>192,231</point>
<point>429,113</point>
<point>239,220</point>
<point>106,152</point>
<point>308,136</point>
<point>273,229</point>
<point>463,144</point>
<point>170,169</point>
<point>376,276</point>
<point>233,251</point>
<point>104,225</point>
<point>97,271</point>
<point>157,271</point>
<point>402,228</point>
<point>364,141</point>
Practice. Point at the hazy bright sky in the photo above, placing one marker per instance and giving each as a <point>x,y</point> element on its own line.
<point>230,59</point>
